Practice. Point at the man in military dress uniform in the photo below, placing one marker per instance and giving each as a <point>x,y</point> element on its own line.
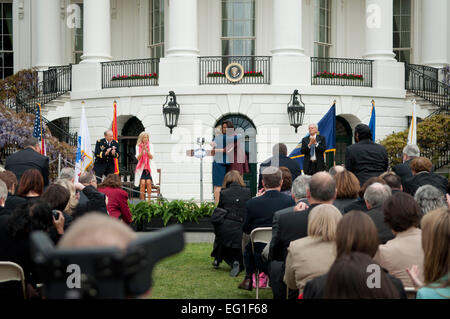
<point>106,150</point>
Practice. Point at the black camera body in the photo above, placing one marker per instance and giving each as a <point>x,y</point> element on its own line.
<point>55,214</point>
<point>102,272</point>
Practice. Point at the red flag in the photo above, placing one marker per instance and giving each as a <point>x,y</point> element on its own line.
<point>115,137</point>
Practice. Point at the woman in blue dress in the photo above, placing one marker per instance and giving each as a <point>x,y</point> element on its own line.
<point>219,167</point>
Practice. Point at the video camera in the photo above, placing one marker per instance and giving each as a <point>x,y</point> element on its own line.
<point>102,272</point>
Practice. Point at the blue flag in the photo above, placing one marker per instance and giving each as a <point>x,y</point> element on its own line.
<point>372,121</point>
<point>327,128</point>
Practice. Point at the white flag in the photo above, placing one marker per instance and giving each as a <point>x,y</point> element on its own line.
<point>412,135</point>
<point>84,158</point>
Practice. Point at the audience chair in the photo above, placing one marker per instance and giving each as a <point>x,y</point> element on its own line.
<point>260,235</point>
<point>156,187</point>
<point>10,271</point>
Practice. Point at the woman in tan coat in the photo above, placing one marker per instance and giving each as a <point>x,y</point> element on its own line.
<point>313,255</point>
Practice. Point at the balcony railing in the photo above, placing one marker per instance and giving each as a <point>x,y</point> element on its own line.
<point>256,69</point>
<point>129,73</point>
<point>343,72</point>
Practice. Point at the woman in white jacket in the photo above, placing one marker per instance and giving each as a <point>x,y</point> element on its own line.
<point>143,172</point>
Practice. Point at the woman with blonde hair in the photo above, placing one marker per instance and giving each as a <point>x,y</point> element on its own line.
<point>73,200</point>
<point>313,255</point>
<point>143,172</point>
<point>436,263</point>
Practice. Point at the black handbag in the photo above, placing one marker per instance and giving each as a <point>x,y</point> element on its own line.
<point>218,216</point>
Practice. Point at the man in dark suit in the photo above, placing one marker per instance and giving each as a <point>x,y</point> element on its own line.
<point>313,147</point>
<point>260,212</point>
<point>29,157</point>
<point>375,196</point>
<point>403,170</point>
<point>421,175</point>
<point>106,150</point>
<point>365,159</point>
<point>294,225</point>
<point>279,159</point>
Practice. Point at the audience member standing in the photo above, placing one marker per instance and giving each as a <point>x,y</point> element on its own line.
<point>28,158</point>
<point>436,265</point>
<point>403,170</point>
<point>117,198</point>
<point>402,215</point>
<point>313,147</point>
<point>260,211</point>
<point>422,175</point>
<point>365,159</point>
<point>228,241</point>
<point>279,158</point>
<point>313,255</point>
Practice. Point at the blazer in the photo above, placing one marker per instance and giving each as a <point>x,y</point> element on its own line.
<point>260,209</point>
<point>306,259</point>
<point>282,160</point>
<point>234,200</point>
<point>25,159</point>
<point>384,232</point>
<point>290,226</point>
<point>424,178</point>
<point>366,159</point>
<point>319,151</point>
<point>402,252</point>
<point>117,203</point>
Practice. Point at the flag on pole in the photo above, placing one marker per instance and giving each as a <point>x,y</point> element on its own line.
<point>412,135</point>
<point>115,137</point>
<point>372,121</point>
<point>327,128</point>
<point>38,131</point>
<point>84,156</point>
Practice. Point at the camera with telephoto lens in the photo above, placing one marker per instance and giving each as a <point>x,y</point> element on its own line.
<point>102,272</point>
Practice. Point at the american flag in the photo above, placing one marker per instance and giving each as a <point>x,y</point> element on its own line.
<point>39,129</point>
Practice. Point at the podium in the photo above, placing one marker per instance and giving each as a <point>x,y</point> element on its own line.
<point>200,153</point>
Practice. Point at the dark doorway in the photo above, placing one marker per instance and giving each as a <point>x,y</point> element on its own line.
<point>344,137</point>
<point>243,123</point>
<point>127,143</point>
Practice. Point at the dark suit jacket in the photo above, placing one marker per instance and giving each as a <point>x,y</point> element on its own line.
<point>384,232</point>
<point>366,159</point>
<point>25,159</point>
<point>234,200</point>
<point>357,204</point>
<point>424,178</point>
<point>403,170</point>
<point>319,151</point>
<point>292,165</point>
<point>104,164</point>
<point>291,226</point>
<point>260,209</point>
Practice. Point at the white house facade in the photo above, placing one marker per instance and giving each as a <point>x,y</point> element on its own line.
<point>184,46</point>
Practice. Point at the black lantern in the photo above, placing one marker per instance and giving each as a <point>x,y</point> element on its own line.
<point>296,110</point>
<point>171,111</point>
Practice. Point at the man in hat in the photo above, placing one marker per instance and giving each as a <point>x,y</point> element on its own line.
<point>365,158</point>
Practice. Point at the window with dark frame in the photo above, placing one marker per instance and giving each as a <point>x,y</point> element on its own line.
<point>6,40</point>
<point>322,32</point>
<point>156,28</point>
<point>402,30</point>
<point>78,44</point>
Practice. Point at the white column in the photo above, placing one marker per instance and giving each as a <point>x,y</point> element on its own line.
<point>435,33</point>
<point>183,30</point>
<point>379,29</point>
<point>97,31</point>
<point>290,66</point>
<point>47,26</point>
<point>287,27</point>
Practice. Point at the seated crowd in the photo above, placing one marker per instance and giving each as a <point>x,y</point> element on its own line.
<point>332,236</point>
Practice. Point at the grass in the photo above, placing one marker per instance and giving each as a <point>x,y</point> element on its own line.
<point>190,275</point>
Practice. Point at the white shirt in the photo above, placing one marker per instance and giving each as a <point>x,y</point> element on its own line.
<point>313,158</point>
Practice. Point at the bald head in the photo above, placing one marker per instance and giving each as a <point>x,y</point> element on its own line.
<point>97,230</point>
<point>322,188</point>
<point>336,170</point>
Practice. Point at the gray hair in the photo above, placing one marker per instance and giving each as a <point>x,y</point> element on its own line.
<point>299,186</point>
<point>67,173</point>
<point>412,150</point>
<point>3,190</point>
<point>86,178</point>
<point>377,193</point>
<point>313,124</point>
<point>429,198</point>
<point>336,169</point>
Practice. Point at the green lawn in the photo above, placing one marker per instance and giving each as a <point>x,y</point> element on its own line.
<point>189,275</point>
